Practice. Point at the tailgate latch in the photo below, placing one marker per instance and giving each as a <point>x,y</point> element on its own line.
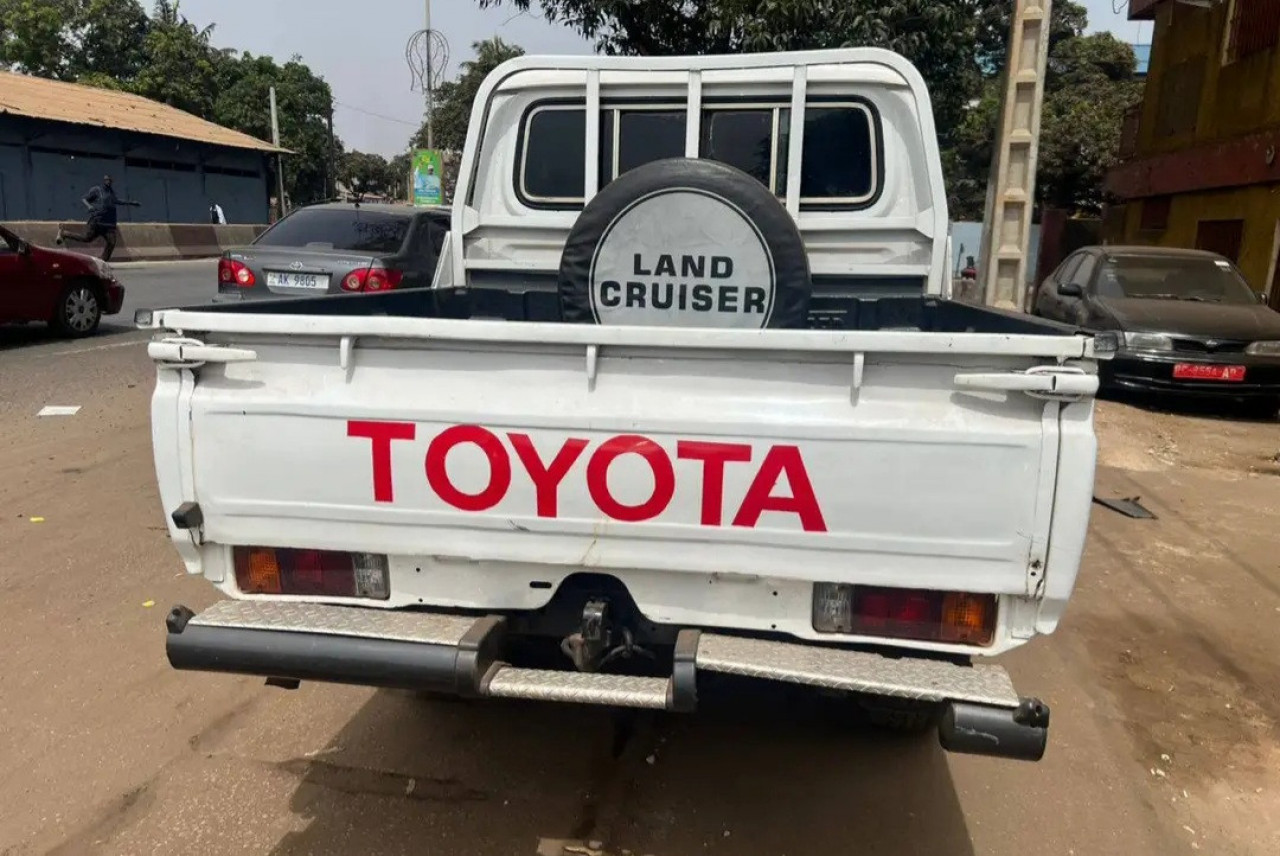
<point>184,353</point>
<point>1051,383</point>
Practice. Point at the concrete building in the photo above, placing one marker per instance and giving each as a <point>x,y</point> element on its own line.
<point>58,139</point>
<point>1199,166</point>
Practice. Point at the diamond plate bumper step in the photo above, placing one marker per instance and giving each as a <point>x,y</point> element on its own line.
<point>291,641</point>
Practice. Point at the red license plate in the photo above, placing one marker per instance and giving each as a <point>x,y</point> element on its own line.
<point>1197,371</point>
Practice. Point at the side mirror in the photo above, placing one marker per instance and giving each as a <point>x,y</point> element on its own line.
<point>1070,289</point>
<point>24,248</point>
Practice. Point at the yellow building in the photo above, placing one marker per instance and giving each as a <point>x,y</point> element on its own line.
<point>1199,156</point>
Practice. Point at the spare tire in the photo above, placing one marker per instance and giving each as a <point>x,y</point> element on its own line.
<point>685,243</point>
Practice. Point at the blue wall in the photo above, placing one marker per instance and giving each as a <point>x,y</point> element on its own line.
<point>966,240</point>
<point>47,167</point>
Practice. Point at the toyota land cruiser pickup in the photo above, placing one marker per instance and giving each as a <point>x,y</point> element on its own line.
<point>686,396</point>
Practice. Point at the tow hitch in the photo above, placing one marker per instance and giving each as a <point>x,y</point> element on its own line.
<point>598,642</point>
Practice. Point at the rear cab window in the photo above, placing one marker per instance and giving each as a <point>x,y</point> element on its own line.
<point>841,162</point>
<point>353,230</point>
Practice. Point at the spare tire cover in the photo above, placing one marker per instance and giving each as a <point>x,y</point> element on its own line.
<point>685,243</point>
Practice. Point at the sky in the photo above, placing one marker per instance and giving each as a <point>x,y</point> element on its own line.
<point>358,47</point>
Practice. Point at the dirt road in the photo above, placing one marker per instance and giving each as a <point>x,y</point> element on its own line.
<point>1162,681</point>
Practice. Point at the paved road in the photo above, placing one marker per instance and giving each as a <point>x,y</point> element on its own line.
<point>147,286</point>
<point>1162,681</point>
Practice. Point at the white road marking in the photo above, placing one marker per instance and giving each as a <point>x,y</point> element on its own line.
<point>98,348</point>
<point>59,410</point>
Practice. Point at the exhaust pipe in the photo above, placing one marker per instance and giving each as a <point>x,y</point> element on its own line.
<point>1019,733</point>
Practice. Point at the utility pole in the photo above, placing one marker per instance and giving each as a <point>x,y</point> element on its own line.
<point>332,190</point>
<point>1011,190</point>
<point>275,139</point>
<point>429,87</point>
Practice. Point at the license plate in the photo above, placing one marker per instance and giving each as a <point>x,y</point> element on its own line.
<point>1199,371</point>
<point>281,279</point>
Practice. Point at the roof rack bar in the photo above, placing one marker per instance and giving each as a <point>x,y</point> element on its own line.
<point>693,116</point>
<point>592,177</point>
<point>795,142</point>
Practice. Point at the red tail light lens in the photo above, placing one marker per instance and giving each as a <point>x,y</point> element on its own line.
<point>376,277</point>
<point>232,272</point>
<point>319,573</point>
<point>931,616</point>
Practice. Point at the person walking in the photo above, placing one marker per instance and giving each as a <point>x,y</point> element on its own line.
<point>216,214</point>
<point>102,203</point>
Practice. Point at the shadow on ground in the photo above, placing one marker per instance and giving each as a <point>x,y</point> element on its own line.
<point>754,772</point>
<point>1223,409</point>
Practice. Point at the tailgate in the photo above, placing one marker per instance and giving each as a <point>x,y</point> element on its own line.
<point>484,456</point>
<point>841,457</point>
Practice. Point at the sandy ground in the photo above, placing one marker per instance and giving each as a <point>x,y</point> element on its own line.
<point>1162,681</point>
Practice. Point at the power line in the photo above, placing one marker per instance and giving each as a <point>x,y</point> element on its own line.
<point>377,115</point>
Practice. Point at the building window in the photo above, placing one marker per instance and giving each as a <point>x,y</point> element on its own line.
<point>840,164</point>
<point>1254,28</point>
<point>1154,216</point>
<point>1220,236</point>
<point>1178,102</point>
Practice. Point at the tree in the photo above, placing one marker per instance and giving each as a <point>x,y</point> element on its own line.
<point>179,66</point>
<point>452,103</point>
<point>398,176</point>
<point>364,172</point>
<point>1089,85</point>
<point>72,39</point>
<point>34,37</point>
<point>110,36</point>
<point>303,101</point>
<point>959,46</point>
<point>939,36</point>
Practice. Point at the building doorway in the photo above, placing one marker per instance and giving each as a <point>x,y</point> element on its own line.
<point>1220,236</point>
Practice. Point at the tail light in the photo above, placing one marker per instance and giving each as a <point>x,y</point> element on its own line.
<point>376,277</point>
<point>320,573</point>
<point>232,272</point>
<point>930,616</point>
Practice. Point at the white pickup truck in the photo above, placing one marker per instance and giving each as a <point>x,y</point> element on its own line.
<point>686,397</point>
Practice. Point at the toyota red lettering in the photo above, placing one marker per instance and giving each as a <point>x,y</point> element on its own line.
<point>547,473</point>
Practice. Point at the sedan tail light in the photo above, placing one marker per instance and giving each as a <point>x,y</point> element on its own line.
<point>376,277</point>
<point>931,616</point>
<point>232,272</point>
<point>319,573</point>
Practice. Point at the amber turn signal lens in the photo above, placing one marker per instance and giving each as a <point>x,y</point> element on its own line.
<point>262,574</point>
<point>968,618</point>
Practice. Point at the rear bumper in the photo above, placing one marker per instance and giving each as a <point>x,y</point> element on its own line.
<point>1152,372</point>
<point>417,650</point>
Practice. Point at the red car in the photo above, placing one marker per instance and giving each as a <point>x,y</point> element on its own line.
<point>69,291</point>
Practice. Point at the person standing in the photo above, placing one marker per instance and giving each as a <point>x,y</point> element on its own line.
<point>102,203</point>
<point>216,215</point>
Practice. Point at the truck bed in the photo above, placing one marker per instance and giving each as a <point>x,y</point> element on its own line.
<point>827,312</point>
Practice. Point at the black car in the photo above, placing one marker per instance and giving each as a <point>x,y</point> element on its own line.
<point>1191,325</point>
<point>337,248</point>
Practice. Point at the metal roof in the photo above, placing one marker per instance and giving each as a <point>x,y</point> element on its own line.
<point>58,101</point>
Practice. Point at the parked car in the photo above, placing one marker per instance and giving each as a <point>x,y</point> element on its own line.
<point>69,291</point>
<point>337,248</point>
<point>1191,325</point>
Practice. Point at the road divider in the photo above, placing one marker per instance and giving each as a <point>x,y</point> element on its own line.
<point>137,242</point>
